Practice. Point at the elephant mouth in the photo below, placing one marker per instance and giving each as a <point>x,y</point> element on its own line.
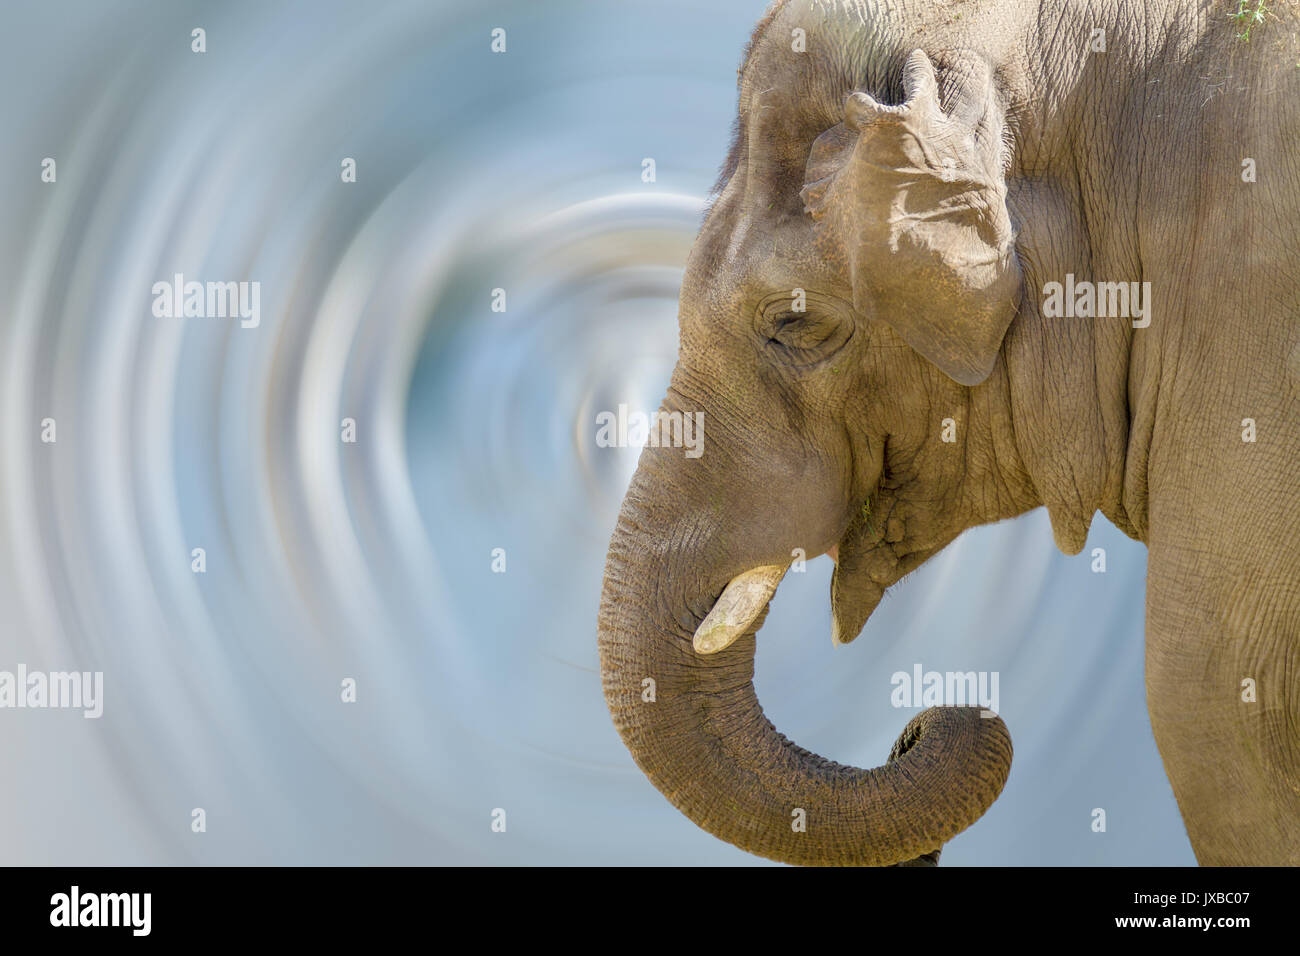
<point>863,563</point>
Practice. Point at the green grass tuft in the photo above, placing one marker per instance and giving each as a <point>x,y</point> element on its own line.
<point>1246,18</point>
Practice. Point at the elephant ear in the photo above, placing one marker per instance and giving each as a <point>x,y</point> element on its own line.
<point>912,198</point>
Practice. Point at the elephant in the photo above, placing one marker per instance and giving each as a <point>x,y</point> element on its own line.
<point>1070,228</point>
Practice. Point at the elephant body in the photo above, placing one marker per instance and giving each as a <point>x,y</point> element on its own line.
<point>933,182</point>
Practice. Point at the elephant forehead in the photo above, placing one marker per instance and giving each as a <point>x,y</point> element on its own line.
<point>746,259</point>
<point>738,231</point>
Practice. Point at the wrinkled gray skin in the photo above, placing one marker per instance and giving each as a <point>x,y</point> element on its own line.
<point>924,237</point>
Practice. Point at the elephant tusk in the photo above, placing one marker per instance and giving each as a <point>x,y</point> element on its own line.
<point>741,602</point>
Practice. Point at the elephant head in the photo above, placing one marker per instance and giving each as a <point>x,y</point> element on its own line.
<point>849,290</point>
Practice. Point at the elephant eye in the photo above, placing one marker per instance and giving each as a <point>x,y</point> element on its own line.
<point>804,338</point>
<point>800,331</point>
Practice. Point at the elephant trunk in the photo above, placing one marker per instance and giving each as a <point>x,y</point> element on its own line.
<point>694,725</point>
